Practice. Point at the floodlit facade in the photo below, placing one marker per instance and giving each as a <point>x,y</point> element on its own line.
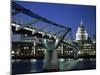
<point>81,32</point>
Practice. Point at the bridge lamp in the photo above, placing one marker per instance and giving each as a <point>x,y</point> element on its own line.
<point>40,32</point>
<point>33,31</point>
<point>79,52</point>
<point>43,34</point>
<point>17,28</point>
<point>12,52</point>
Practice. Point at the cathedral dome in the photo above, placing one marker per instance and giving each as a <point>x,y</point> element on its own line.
<point>81,32</point>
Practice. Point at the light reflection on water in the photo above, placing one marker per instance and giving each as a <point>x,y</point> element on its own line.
<point>33,65</point>
<point>67,64</point>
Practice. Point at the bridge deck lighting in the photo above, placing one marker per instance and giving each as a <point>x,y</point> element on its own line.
<point>33,31</point>
<point>28,28</point>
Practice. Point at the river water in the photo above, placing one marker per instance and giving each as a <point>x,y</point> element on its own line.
<point>35,66</point>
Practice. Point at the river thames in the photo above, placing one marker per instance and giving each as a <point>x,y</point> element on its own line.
<point>36,66</point>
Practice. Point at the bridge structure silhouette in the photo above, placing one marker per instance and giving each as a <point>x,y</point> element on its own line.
<point>49,33</point>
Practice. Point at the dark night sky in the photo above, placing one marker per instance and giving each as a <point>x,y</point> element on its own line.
<point>65,14</point>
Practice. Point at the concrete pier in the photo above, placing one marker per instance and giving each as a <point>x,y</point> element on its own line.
<point>51,61</point>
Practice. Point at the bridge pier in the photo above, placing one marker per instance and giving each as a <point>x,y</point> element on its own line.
<point>51,61</point>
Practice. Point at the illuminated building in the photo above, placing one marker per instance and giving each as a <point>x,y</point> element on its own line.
<point>81,32</point>
<point>87,47</point>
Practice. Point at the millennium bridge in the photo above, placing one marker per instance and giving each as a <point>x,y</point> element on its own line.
<point>41,38</point>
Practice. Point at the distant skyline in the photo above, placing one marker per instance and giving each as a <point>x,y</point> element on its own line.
<point>64,14</point>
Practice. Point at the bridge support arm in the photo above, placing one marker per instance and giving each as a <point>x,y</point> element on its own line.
<point>61,38</point>
<point>51,58</point>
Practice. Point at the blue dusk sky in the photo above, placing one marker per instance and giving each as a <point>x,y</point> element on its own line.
<point>64,14</point>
